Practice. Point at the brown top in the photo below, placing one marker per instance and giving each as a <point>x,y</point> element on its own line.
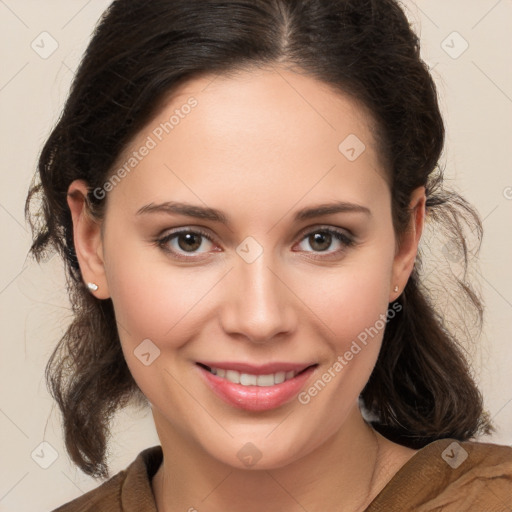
<point>444,476</point>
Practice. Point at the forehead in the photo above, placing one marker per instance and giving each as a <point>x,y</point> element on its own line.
<point>271,129</point>
<point>258,103</point>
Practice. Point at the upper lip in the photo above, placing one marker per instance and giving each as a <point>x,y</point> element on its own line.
<point>264,369</point>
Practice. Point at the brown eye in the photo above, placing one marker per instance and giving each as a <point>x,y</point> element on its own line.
<point>329,240</point>
<point>320,241</point>
<point>189,241</point>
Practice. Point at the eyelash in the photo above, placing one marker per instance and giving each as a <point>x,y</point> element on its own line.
<point>339,235</point>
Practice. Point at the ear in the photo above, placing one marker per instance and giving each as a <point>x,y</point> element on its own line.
<point>87,239</point>
<point>407,247</point>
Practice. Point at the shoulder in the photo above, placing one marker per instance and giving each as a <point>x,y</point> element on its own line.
<point>451,476</point>
<point>127,491</point>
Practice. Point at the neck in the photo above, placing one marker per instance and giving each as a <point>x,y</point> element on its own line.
<point>344,473</point>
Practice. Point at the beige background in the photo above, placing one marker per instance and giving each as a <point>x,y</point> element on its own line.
<point>476,97</point>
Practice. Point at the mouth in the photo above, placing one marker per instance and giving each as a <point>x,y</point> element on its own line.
<point>254,379</point>
<point>255,388</point>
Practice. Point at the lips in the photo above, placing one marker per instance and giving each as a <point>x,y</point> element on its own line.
<point>255,388</point>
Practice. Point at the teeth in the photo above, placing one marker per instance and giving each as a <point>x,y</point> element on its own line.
<point>246,379</point>
<point>233,376</point>
<point>279,377</point>
<point>265,380</point>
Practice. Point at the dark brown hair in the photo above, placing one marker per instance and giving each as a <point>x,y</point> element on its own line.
<point>421,388</point>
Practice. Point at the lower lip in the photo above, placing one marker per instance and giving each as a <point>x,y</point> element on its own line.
<point>256,398</point>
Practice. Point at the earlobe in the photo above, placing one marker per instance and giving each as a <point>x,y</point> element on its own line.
<point>407,251</point>
<point>87,240</point>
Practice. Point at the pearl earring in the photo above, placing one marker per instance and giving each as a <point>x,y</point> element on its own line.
<point>396,289</point>
<point>92,286</point>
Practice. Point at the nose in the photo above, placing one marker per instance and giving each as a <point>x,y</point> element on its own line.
<point>258,305</point>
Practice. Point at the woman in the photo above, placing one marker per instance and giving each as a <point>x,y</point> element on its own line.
<point>239,190</point>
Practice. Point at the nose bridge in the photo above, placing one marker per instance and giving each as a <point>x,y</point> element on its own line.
<point>257,303</point>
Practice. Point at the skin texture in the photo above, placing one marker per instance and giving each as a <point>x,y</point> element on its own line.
<point>259,145</point>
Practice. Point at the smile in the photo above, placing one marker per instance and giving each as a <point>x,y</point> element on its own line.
<point>256,388</point>
<point>247,379</point>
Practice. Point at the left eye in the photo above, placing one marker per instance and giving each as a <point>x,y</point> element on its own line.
<point>322,239</point>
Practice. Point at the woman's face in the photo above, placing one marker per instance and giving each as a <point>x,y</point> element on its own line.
<point>215,256</point>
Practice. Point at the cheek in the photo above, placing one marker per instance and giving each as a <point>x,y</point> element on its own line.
<point>152,302</point>
<point>350,300</point>
<point>150,297</point>
<point>353,307</point>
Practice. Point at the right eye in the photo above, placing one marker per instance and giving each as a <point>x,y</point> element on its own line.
<point>185,241</point>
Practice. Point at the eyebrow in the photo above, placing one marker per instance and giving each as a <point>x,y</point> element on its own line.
<point>212,214</point>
